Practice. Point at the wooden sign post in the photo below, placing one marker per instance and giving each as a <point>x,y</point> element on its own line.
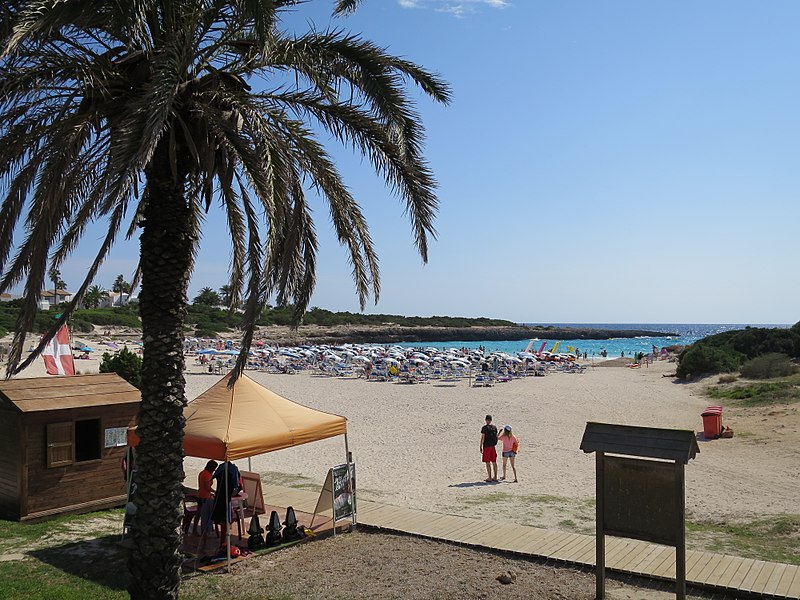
<point>641,498</point>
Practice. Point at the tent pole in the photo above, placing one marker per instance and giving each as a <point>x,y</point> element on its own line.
<point>249,464</point>
<point>228,486</point>
<point>227,513</point>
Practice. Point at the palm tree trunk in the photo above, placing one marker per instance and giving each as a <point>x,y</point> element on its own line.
<point>167,246</point>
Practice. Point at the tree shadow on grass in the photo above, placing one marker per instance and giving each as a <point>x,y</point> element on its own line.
<point>101,560</point>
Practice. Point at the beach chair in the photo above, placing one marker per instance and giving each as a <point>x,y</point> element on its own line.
<point>482,381</point>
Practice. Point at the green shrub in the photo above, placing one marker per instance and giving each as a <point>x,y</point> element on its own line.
<point>763,393</point>
<point>768,366</point>
<point>206,333</point>
<point>125,316</point>
<point>81,325</point>
<point>701,359</point>
<point>124,363</point>
<point>208,325</point>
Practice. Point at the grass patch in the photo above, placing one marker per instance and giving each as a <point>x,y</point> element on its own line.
<point>66,558</point>
<point>774,538</point>
<point>493,497</point>
<point>24,580</point>
<point>489,498</point>
<point>15,535</point>
<point>778,391</point>
<point>290,480</point>
<point>567,524</point>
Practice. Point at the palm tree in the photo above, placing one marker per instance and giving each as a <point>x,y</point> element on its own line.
<point>208,297</point>
<point>141,113</point>
<point>94,295</point>
<point>226,296</point>
<point>120,286</point>
<point>58,284</point>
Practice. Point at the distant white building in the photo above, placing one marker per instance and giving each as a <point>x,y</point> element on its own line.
<point>56,298</point>
<point>6,297</point>
<point>118,299</point>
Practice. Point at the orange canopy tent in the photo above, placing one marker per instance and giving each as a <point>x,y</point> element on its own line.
<point>248,419</point>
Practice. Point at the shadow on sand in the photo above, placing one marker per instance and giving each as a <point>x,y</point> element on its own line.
<point>469,484</point>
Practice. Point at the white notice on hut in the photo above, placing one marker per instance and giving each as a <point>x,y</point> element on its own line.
<point>116,436</point>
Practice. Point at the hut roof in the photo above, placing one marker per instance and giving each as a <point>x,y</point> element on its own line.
<point>58,393</point>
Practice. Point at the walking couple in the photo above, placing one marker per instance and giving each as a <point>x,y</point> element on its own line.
<point>489,439</point>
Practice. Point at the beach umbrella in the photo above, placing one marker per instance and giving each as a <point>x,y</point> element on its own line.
<point>361,359</point>
<point>207,351</point>
<point>111,345</point>
<point>391,361</point>
<point>87,349</point>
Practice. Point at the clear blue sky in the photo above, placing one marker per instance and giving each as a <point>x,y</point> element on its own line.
<point>615,161</point>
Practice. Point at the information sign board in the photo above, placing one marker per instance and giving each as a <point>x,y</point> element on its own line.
<point>640,500</point>
<point>116,436</point>
<point>343,487</point>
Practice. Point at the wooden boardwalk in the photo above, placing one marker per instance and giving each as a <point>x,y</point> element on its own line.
<point>705,570</point>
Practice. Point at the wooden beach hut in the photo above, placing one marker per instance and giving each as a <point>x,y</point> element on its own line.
<point>62,440</point>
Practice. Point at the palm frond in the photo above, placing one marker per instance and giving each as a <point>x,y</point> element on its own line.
<point>346,6</point>
<point>27,314</point>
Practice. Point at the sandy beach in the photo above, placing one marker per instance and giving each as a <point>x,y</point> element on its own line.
<point>418,445</point>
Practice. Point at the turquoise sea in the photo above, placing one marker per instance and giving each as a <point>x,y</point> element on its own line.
<point>682,334</point>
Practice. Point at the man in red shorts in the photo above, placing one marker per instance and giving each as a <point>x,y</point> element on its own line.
<point>488,451</point>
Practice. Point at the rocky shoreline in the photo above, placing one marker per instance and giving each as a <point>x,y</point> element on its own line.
<point>363,334</point>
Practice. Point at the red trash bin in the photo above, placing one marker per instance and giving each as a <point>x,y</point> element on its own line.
<point>712,422</point>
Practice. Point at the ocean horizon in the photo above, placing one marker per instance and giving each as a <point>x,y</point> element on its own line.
<point>682,334</point>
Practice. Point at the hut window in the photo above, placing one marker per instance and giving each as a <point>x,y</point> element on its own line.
<point>73,442</point>
<point>87,440</point>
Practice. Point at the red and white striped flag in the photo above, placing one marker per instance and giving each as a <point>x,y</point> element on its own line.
<point>57,354</point>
